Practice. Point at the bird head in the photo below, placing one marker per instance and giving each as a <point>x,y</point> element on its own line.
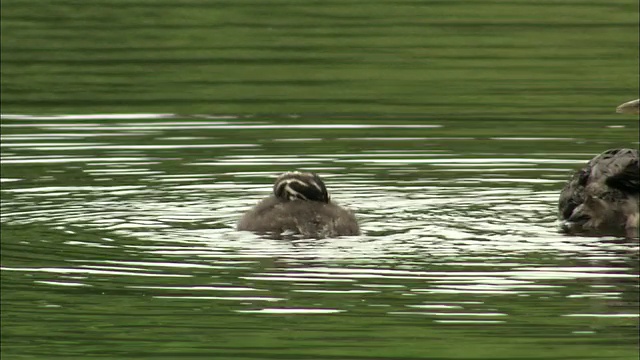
<point>295,185</point>
<point>630,107</point>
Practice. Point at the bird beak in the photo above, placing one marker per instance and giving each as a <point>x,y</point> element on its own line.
<point>630,107</point>
<point>578,215</point>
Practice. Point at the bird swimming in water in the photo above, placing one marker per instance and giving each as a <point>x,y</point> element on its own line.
<point>300,204</point>
<point>602,197</point>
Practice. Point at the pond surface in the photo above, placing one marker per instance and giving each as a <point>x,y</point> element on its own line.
<point>134,136</point>
<point>118,240</point>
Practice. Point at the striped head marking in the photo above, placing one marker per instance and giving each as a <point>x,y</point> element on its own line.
<point>300,186</point>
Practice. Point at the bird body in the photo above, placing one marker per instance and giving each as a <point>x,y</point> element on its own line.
<point>300,204</point>
<point>602,197</point>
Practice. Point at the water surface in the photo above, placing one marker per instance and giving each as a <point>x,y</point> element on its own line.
<point>118,239</point>
<point>134,134</point>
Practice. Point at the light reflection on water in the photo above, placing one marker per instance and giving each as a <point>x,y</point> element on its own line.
<point>447,234</point>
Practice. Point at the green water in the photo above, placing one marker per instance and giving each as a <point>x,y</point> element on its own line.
<point>434,58</point>
<point>136,133</point>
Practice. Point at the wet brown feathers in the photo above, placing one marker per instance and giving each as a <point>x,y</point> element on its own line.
<point>602,197</point>
<point>300,205</point>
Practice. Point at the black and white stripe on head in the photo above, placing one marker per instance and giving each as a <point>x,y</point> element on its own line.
<point>300,186</point>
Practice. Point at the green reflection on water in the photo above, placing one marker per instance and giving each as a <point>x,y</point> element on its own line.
<point>447,59</point>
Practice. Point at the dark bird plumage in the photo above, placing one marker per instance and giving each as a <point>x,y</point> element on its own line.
<point>300,204</point>
<point>602,197</point>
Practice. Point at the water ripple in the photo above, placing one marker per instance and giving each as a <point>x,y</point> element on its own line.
<point>453,232</point>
